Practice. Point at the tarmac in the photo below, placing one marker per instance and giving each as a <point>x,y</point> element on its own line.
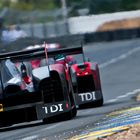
<point>118,125</point>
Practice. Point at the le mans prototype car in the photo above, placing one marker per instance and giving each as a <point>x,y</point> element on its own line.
<point>85,77</point>
<point>34,93</point>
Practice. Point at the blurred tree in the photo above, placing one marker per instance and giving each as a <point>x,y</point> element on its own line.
<point>31,4</point>
<point>95,6</point>
<point>57,2</point>
<point>130,4</point>
<point>27,1</point>
<point>5,3</point>
<point>104,6</point>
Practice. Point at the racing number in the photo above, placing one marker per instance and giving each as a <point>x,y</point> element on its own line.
<point>87,96</point>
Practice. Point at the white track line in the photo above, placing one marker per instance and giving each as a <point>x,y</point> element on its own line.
<point>121,57</point>
<point>52,127</point>
<point>111,101</point>
<point>124,96</point>
<point>30,137</point>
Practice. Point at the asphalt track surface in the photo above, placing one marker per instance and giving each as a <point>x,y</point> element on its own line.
<point>120,77</point>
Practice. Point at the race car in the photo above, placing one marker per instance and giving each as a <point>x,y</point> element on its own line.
<point>85,77</point>
<point>28,94</point>
<point>86,83</point>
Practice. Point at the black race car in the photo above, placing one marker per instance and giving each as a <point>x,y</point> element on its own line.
<point>30,93</point>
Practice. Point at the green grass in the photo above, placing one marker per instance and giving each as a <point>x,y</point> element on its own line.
<point>31,5</point>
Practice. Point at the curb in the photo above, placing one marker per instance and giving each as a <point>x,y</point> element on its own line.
<point>115,122</point>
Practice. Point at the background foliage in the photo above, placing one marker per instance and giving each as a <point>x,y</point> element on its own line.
<point>50,10</point>
<point>95,6</point>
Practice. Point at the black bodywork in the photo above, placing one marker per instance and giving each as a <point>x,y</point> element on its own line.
<point>48,94</point>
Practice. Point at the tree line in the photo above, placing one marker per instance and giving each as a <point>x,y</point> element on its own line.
<point>94,6</point>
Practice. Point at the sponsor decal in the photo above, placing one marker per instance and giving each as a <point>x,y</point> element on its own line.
<point>53,108</point>
<point>1,107</point>
<point>89,96</point>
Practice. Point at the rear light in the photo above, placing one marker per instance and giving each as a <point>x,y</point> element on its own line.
<point>27,80</point>
<point>82,73</point>
<point>67,105</point>
<point>1,107</point>
<point>78,74</point>
<point>24,74</point>
<point>86,73</point>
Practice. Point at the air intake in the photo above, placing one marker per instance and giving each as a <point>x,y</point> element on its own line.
<point>85,86</point>
<point>52,88</point>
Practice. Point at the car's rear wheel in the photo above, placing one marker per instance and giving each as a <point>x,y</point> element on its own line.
<point>100,102</point>
<point>71,114</point>
<point>74,112</point>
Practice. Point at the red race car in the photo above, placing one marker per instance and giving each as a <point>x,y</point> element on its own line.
<point>84,75</point>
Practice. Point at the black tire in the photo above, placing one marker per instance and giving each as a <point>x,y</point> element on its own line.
<point>74,112</point>
<point>71,114</point>
<point>100,102</point>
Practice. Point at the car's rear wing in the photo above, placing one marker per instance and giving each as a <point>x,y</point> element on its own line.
<point>39,53</point>
<point>23,43</point>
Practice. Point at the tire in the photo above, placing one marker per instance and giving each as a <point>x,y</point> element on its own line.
<point>71,114</point>
<point>74,112</point>
<point>100,102</point>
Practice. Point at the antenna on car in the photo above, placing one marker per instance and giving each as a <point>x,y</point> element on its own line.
<point>46,54</point>
<point>83,52</point>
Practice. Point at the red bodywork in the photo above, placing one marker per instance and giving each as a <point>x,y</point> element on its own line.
<point>88,69</point>
<point>82,72</point>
